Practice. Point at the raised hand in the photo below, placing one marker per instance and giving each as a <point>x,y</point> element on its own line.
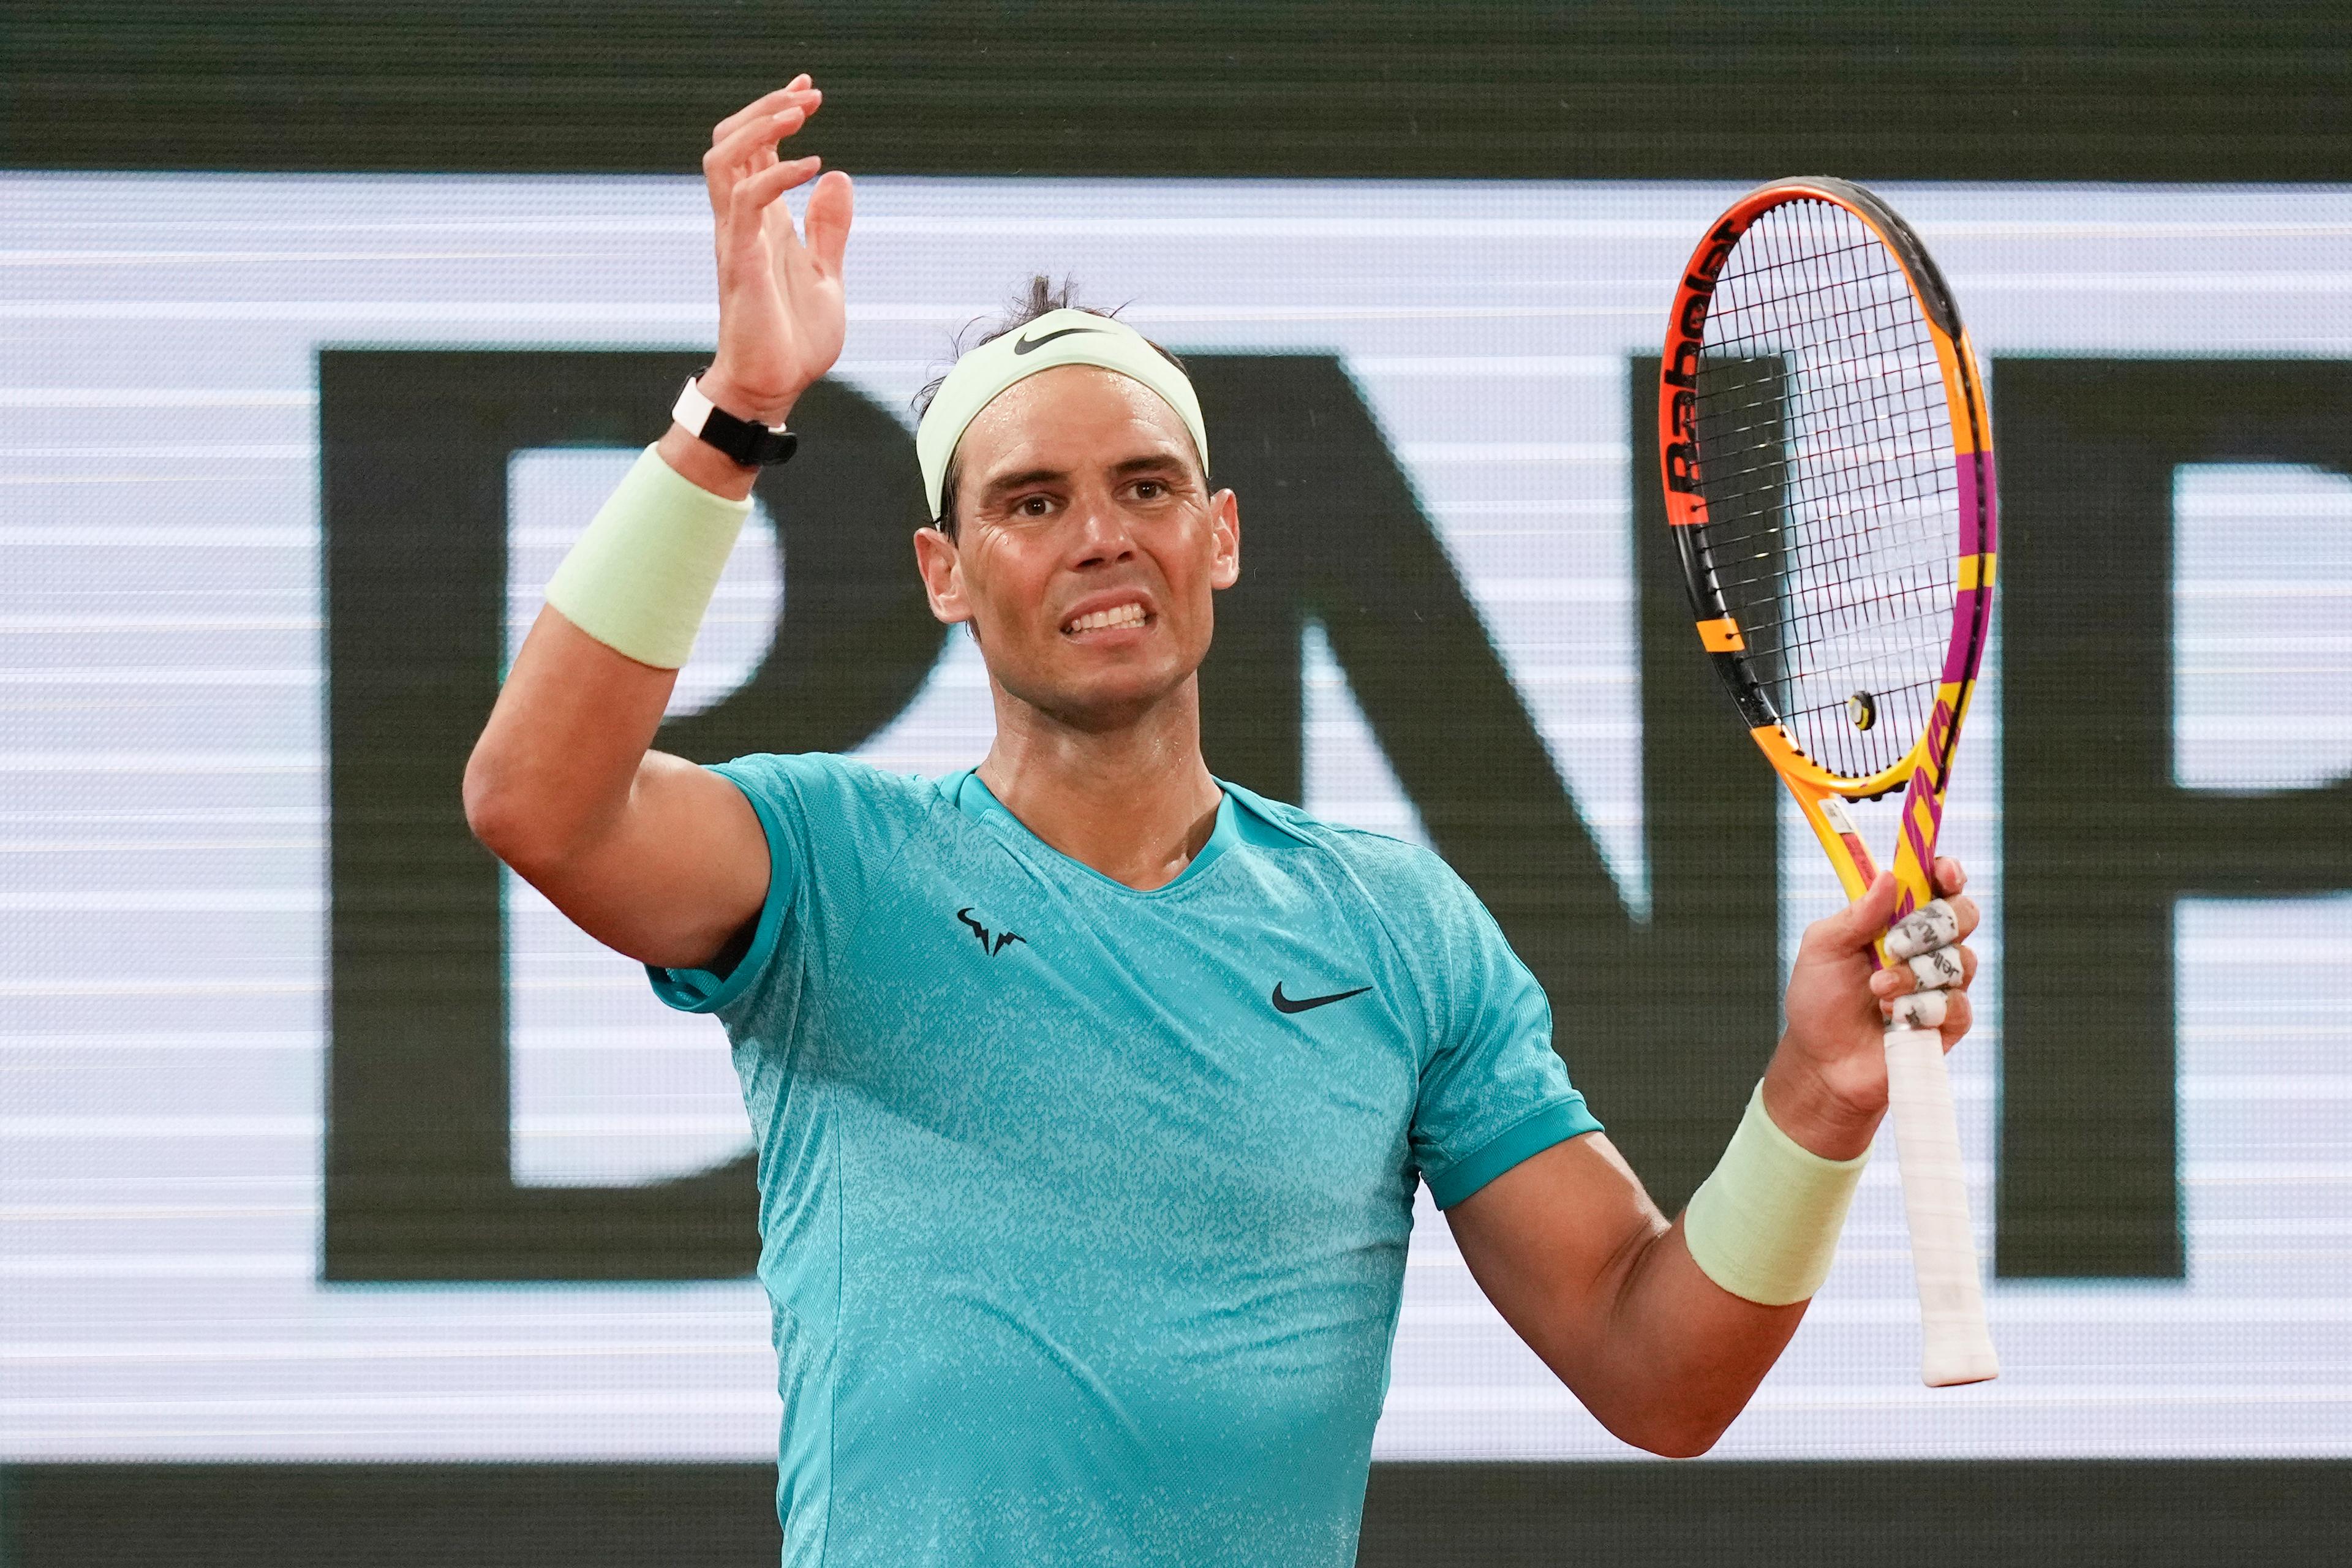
<point>780,293</point>
<point>1827,1085</point>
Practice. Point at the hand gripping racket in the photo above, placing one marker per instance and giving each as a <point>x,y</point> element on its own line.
<point>1828,466</point>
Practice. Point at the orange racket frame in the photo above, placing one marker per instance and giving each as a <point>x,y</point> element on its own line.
<point>1958,1347</point>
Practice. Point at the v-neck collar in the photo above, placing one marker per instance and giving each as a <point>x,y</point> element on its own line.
<point>970,794</point>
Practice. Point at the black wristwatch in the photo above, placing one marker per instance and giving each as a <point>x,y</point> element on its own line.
<point>750,445</point>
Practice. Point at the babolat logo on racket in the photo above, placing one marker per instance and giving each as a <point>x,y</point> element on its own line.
<point>1681,370</point>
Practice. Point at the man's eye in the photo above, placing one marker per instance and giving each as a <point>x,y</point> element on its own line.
<point>1033,506</point>
<point>1149,489</point>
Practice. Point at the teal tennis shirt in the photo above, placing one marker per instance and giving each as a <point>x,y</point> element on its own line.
<point>1084,1210</point>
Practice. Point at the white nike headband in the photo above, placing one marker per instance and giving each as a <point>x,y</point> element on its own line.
<point>1057,338</point>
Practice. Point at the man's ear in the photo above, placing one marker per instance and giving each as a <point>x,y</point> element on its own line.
<point>1226,521</point>
<point>937,559</point>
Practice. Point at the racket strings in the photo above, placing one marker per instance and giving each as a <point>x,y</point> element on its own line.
<point>1874,554</point>
<point>1826,462</point>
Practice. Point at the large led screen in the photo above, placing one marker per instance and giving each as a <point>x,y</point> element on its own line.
<point>323,1137</point>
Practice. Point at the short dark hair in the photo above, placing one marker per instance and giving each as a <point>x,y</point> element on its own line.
<point>1042,295</point>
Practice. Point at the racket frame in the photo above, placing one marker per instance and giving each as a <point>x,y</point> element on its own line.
<point>1924,773</point>
<point>1957,1349</point>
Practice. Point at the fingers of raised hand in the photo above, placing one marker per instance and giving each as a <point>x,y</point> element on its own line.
<point>751,148</point>
<point>765,106</point>
<point>762,189</point>
<point>826,222</point>
<point>1949,876</point>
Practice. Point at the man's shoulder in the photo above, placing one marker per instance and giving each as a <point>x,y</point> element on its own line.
<point>854,772</point>
<point>833,793</point>
<point>1384,864</point>
<point>1431,923</point>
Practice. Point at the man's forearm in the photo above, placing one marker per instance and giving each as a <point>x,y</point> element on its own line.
<point>1682,1355</point>
<point>1580,1262</point>
<point>562,749</point>
<point>1717,1295</point>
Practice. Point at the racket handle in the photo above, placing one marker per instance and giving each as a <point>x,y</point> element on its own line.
<point>1956,1347</point>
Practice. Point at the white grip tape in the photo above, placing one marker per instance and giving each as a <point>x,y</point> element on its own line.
<point>1957,1346</point>
<point>1935,970</point>
<point>1919,1010</point>
<point>1931,925</point>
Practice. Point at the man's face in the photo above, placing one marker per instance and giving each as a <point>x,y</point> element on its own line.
<point>1087,545</point>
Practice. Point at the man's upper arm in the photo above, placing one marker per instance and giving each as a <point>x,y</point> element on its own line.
<point>1552,1241</point>
<point>682,871</point>
<point>647,853</point>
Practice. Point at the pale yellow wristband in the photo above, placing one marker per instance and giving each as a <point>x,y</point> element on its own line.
<point>642,575</point>
<point>1765,1225</point>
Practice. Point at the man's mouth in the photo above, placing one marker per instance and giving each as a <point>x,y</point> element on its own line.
<point>1106,620</point>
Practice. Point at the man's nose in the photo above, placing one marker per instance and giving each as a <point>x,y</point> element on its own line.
<point>1102,532</point>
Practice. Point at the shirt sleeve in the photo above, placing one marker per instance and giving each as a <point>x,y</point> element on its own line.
<point>1493,1090</point>
<point>826,820</point>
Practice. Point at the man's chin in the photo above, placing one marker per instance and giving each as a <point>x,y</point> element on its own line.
<point>1104,699</point>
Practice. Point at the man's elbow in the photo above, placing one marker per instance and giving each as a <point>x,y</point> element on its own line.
<point>499,822</point>
<point>1658,1425</point>
<point>1679,1444</point>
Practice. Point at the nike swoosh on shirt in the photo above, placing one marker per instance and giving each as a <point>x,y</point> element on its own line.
<point>1301,1003</point>
<point>1023,345</point>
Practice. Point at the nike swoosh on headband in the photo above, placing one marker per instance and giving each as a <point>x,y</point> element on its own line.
<point>1023,344</point>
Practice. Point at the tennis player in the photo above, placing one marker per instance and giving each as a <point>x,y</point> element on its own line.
<point>1092,1091</point>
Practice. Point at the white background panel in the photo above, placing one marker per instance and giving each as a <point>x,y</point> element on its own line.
<point>162,850</point>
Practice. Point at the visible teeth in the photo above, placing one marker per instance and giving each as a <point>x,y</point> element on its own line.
<point>1123,615</point>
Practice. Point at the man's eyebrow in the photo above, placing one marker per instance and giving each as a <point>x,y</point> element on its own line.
<point>1148,462</point>
<point>1166,459</point>
<point>1027,477</point>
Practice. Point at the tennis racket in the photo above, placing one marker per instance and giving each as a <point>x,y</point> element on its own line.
<point>1828,468</point>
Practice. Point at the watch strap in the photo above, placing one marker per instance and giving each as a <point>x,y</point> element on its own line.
<point>751,444</point>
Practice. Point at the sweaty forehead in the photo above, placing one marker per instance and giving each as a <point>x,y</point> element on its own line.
<point>1068,418</point>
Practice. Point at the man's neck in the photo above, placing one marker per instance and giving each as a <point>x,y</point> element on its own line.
<point>1135,803</point>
